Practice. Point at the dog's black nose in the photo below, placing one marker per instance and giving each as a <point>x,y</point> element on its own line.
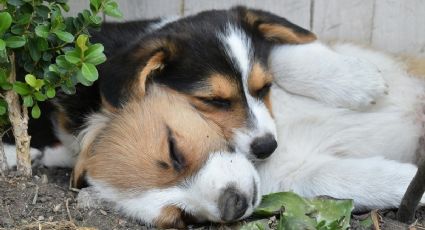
<point>232,204</point>
<point>263,147</point>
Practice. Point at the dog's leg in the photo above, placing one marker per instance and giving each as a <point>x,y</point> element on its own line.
<point>316,71</point>
<point>58,156</point>
<point>370,182</point>
<point>10,151</point>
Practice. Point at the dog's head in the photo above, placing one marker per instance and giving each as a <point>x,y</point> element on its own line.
<point>158,159</point>
<point>218,59</point>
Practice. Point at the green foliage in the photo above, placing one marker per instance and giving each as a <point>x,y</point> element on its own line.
<point>53,51</point>
<point>295,212</point>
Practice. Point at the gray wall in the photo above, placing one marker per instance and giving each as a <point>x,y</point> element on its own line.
<point>396,26</point>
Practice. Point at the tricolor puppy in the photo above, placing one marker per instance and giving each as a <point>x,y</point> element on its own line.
<point>217,59</point>
<point>159,160</point>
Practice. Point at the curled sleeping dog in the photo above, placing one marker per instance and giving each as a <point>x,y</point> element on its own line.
<point>366,155</point>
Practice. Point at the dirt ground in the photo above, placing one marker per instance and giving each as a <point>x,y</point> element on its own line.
<point>46,202</point>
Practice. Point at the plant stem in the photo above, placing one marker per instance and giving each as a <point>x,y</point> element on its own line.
<point>18,116</point>
<point>414,193</point>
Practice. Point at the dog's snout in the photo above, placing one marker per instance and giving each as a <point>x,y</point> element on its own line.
<point>263,147</point>
<point>232,204</point>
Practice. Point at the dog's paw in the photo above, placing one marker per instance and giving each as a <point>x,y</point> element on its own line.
<point>10,152</point>
<point>361,83</point>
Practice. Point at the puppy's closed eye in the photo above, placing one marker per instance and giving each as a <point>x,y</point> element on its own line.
<point>261,93</point>
<point>176,156</point>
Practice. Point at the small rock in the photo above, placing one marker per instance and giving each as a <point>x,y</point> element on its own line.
<point>88,198</point>
<point>36,177</point>
<point>57,207</point>
<point>103,212</point>
<point>122,222</point>
<point>42,199</point>
<point>40,218</point>
<point>44,179</point>
<point>51,218</point>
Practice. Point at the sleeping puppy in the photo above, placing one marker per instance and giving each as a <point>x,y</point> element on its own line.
<point>158,160</point>
<point>369,155</point>
<point>217,59</point>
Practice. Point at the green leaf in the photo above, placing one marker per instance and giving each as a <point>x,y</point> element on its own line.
<point>94,50</point>
<point>299,213</point>
<point>94,54</point>
<point>68,88</point>
<point>82,79</point>
<point>73,57</point>
<point>24,19</point>
<point>89,71</point>
<point>42,31</point>
<point>21,88</point>
<point>18,29</point>
<point>15,2</point>
<point>35,112</point>
<point>81,42</point>
<point>5,21</point>
<point>64,36</point>
<point>42,11</point>
<point>95,19</point>
<point>2,45</point>
<point>51,93</point>
<point>31,80</point>
<point>3,110</point>
<point>111,9</point>
<point>62,62</point>
<point>96,60</point>
<point>15,41</point>
<point>28,101</point>
<point>42,44</point>
<point>33,50</point>
<point>6,86</point>
<point>40,96</point>
<point>95,3</point>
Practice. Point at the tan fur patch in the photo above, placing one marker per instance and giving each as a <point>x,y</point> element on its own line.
<point>221,87</point>
<point>63,121</point>
<point>154,63</point>
<point>106,105</point>
<point>415,66</point>
<point>125,154</point>
<point>258,78</point>
<point>284,35</point>
<point>170,217</point>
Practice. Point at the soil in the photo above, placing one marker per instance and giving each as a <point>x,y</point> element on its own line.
<point>46,202</point>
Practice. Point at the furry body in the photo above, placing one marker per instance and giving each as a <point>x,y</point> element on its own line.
<point>367,155</point>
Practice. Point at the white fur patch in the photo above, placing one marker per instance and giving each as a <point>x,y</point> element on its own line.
<point>198,195</point>
<point>239,49</point>
<point>10,153</point>
<point>316,71</point>
<point>366,155</point>
<point>164,21</point>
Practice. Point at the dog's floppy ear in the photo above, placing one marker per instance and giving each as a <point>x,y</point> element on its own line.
<point>272,27</point>
<point>127,74</point>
